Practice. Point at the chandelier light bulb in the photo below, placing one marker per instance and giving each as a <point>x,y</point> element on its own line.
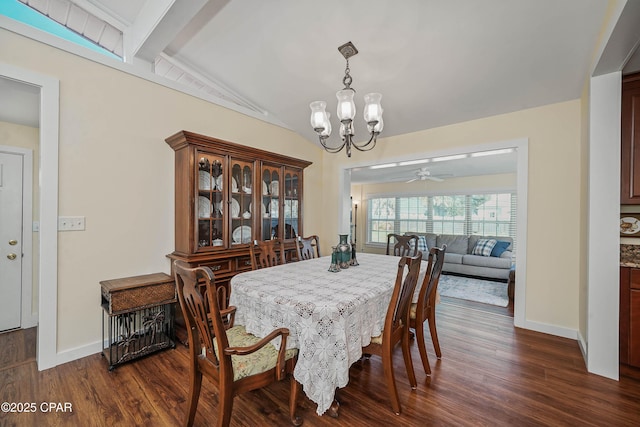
<point>372,107</point>
<point>319,117</point>
<point>346,106</point>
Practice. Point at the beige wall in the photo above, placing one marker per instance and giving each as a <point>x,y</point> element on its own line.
<point>554,195</point>
<point>15,135</point>
<point>117,171</point>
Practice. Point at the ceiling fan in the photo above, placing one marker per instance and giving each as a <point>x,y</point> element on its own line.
<point>423,174</point>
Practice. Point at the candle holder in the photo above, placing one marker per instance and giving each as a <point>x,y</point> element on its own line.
<point>353,261</point>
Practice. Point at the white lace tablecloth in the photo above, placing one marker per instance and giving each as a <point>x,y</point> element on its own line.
<point>330,316</point>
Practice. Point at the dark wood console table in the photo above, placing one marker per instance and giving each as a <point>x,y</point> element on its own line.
<point>140,312</point>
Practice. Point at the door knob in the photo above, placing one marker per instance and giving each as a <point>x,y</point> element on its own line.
<point>13,242</point>
<point>12,256</point>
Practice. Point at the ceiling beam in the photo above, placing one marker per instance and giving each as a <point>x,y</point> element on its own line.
<point>157,24</point>
<point>623,42</point>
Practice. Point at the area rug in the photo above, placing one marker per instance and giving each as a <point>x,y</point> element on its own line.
<point>484,291</point>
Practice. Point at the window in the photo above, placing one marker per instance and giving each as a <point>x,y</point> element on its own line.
<point>491,214</point>
<point>381,216</point>
<point>66,20</point>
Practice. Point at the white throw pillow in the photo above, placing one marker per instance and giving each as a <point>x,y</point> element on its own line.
<point>484,247</point>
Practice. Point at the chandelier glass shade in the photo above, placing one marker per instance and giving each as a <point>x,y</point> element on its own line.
<point>346,113</point>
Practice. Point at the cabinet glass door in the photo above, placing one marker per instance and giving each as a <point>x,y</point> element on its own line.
<point>270,203</point>
<point>291,204</point>
<point>210,201</point>
<point>240,207</point>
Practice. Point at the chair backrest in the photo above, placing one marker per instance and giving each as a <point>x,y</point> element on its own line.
<point>398,311</point>
<point>402,244</point>
<point>308,247</point>
<point>198,309</point>
<point>427,295</point>
<point>266,253</point>
<point>289,232</point>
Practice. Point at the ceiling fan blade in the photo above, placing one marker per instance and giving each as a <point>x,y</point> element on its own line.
<point>411,180</point>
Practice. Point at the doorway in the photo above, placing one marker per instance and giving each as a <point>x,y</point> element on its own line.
<point>45,269</point>
<point>516,306</point>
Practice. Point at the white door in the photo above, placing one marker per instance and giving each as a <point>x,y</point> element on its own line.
<point>10,240</point>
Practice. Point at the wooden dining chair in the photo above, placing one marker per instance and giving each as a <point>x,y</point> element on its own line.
<point>226,354</point>
<point>396,329</point>
<point>266,253</point>
<point>308,247</point>
<point>403,245</point>
<point>425,308</point>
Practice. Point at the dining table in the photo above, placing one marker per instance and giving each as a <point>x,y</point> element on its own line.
<point>330,315</point>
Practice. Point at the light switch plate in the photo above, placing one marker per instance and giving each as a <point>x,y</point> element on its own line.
<point>70,223</point>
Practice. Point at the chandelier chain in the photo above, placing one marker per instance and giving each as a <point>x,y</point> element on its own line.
<point>346,80</point>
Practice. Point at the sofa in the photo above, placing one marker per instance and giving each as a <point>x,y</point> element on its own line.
<point>481,256</point>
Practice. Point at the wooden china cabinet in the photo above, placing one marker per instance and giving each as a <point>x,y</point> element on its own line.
<point>228,195</point>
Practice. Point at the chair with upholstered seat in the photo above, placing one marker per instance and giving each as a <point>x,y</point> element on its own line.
<point>226,354</point>
<point>425,308</point>
<point>266,253</point>
<point>403,245</point>
<point>308,247</point>
<point>396,327</point>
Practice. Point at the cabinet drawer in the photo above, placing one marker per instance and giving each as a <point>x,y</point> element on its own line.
<point>218,266</point>
<point>243,263</point>
<point>138,292</point>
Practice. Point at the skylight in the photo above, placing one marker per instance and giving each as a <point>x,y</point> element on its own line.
<point>18,11</point>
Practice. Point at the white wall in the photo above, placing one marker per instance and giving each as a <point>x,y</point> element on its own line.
<point>603,226</point>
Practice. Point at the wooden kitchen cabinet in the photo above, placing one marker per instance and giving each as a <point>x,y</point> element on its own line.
<point>226,196</point>
<point>630,141</point>
<point>630,316</point>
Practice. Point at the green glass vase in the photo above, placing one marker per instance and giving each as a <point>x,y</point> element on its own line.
<point>344,251</point>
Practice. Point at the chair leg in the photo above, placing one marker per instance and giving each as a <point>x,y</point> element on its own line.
<point>408,363</point>
<point>387,364</point>
<point>434,333</point>
<point>422,347</point>
<point>194,395</point>
<point>225,406</point>
<point>293,402</point>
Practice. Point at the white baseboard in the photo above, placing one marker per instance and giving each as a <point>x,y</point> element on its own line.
<point>551,329</point>
<point>78,353</point>
<point>583,347</point>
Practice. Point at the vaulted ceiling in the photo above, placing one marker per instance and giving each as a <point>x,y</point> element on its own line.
<point>435,62</point>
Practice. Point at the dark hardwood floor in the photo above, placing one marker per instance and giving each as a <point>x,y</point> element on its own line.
<point>17,347</point>
<point>491,374</point>
<point>472,305</point>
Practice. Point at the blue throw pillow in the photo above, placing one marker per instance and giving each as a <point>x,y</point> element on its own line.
<point>499,248</point>
<point>484,247</point>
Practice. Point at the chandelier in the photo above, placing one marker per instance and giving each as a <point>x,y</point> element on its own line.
<point>347,111</point>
